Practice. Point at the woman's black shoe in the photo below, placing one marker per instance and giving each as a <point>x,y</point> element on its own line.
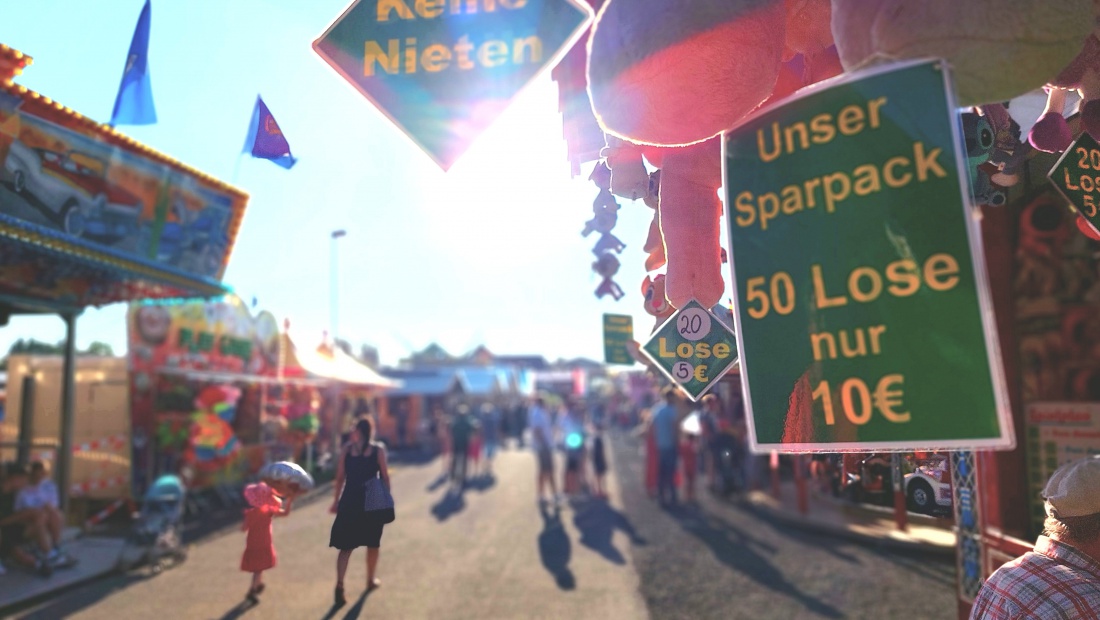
<point>340,600</point>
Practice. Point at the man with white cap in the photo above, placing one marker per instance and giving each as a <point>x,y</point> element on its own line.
<point>1060,578</point>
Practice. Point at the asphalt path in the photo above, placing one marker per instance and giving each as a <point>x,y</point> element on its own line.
<point>491,553</point>
<point>719,559</point>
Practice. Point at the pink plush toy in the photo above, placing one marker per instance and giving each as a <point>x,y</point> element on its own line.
<point>1051,132</point>
<point>676,73</point>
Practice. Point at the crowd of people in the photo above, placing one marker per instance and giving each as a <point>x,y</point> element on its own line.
<point>683,441</point>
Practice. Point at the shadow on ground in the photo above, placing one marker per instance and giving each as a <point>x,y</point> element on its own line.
<point>597,522</point>
<point>746,554</point>
<point>555,550</point>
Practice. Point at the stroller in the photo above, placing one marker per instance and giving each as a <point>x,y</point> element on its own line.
<point>156,536</point>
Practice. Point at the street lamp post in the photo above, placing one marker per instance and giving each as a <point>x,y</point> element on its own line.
<point>334,393</point>
<point>334,285</point>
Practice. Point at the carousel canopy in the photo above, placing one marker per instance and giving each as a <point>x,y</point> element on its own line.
<point>90,217</point>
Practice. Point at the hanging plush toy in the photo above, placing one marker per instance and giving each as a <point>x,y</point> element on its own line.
<point>607,266</point>
<point>1051,132</point>
<point>674,74</point>
<point>997,49</point>
<point>212,442</point>
<point>653,292</point>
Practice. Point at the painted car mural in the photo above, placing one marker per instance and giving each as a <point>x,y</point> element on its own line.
<point>72,188</point>
<point>104,194</point>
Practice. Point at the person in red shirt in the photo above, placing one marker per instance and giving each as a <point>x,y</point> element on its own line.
<point>259,549</point>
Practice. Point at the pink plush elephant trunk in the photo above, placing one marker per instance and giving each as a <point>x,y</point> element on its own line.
<point>690,214</point>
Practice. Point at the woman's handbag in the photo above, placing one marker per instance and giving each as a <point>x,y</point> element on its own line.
<point>378,501</point>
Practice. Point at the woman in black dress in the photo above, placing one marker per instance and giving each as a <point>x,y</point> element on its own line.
<point>362,460</point>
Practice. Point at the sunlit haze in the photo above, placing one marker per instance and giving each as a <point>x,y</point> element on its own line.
<point>487,253</point>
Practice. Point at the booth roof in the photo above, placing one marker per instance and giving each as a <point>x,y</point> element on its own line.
<point>332,364</point>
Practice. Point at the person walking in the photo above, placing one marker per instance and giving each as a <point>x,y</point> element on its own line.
<point>573,431</point>
<point>490,434</point>
<point>463,427</point>
<point>259,548</point>
<point>666,433</point>
<point>1060,578</point>
<point>542,439</point>
<point>362,459</point>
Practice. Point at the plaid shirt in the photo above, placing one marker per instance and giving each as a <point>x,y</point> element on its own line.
<point>1054,581</point>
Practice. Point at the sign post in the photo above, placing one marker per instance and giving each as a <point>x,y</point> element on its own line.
<point>693,348</point>
<point>863,312</point>
<point>618,331</point>
<point>444,70</point>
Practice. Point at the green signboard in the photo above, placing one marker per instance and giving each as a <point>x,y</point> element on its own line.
<point>618,332</point>
<point>1077,177</point>
<point>443,70</point>
<point>863,312</point>
<point>693,348</point>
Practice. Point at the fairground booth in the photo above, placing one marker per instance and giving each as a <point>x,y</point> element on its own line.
<point>89,217</point>
<point>217,392</point>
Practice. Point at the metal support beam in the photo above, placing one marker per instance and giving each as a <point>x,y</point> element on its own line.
<point>68,387</point>
<point>26,420</point>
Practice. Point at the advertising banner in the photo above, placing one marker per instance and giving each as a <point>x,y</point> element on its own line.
<point>1057,433</point>
<point>443,71</point>
<point>863,312</point>
<point>618,331</point>
<point>79,185</point>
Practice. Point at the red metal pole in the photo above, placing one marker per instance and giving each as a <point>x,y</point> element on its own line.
<point>800,484</point>
<point>774,463</point>
<point>901,513</point>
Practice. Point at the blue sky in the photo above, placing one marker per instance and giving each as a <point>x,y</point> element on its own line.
<point>489,252</point>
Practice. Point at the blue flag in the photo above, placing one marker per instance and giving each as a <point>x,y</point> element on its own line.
<point>265,140</point>
<point>134,103</point>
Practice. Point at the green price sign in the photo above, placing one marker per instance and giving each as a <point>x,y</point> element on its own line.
<point>1077,177</point>
<point>863,313</point>
<point>693,348</point>
<point>618,332</point>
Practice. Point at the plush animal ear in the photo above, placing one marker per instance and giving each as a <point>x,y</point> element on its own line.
<point>676,72</point>
<point>979,38</point>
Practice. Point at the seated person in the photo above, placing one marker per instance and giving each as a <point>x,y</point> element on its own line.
<point>41,494</point>
<point>22,532</point>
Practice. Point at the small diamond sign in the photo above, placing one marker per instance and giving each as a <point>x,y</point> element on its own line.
<point>693,348</point>
<point>444,70</point>
<point>1077,177</point>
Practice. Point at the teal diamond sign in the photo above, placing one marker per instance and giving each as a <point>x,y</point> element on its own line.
<point>1077,177</point>
<point>444,70</point>
<point>693,348</point>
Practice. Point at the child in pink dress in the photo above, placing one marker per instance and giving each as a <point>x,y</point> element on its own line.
<point>259,550</point>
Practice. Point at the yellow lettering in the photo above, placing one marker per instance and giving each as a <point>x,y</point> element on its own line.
<point>747,214</point>
<point>389,62</point>
<point>435,58</point>
<point>792,199</point>
<point>867,180</point>
<point>766,213</point>
<point>873,107</point>
<point>702,350</point>
<point>429,9</point>
<point>833,196</point>
<point>492,53</point>
<point>857,292</point>
<point>721,350</point>
<point>926,162</point>
<point>803,136</point>
<point>888,172</point>
<point>767,155</point>
<point>941,265</point>
<point>830,342</point>
<point>903,272</point>
<point>386,7</point>
<point>823,130</point>
<point>822,299</point>
<point>850,120</point>
<point>684,350</point>
<point>532,43</point>
<point>662,349</point>
<point>462,49</point>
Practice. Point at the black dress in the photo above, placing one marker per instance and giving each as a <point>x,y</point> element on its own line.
<point>353,526</point>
